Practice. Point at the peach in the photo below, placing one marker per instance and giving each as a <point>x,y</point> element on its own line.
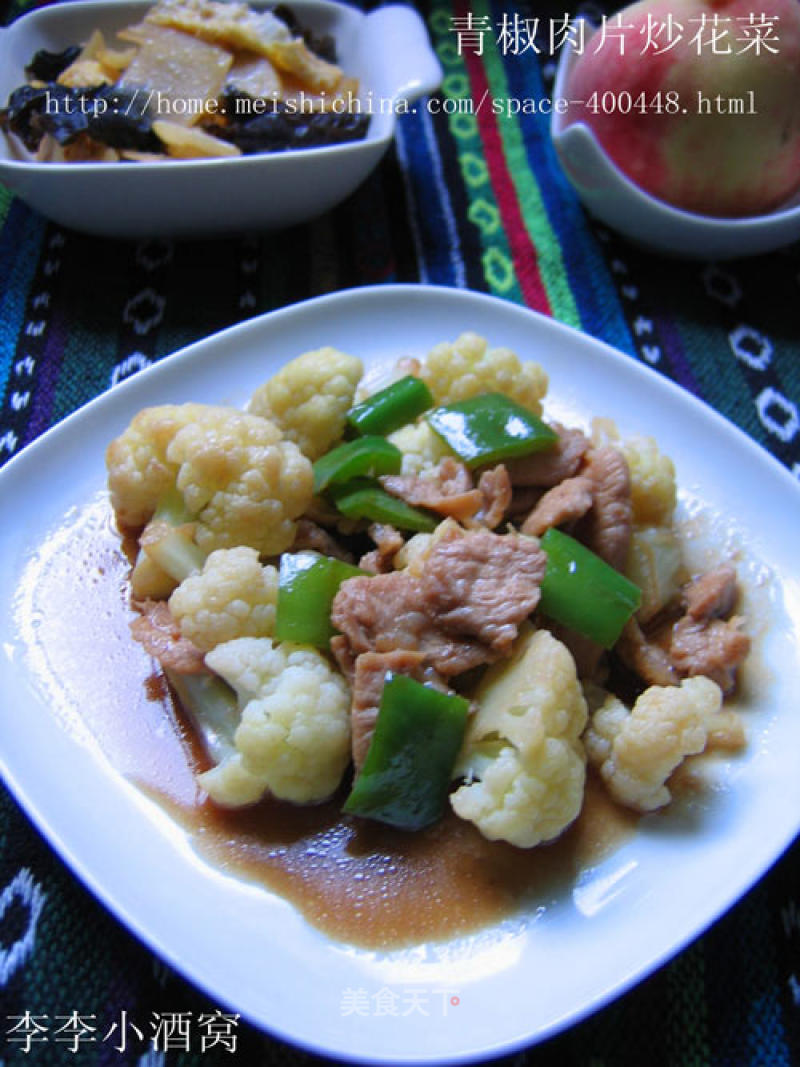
<point>709,126</point>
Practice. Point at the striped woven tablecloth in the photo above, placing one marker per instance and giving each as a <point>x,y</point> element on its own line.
<point>462,199</point>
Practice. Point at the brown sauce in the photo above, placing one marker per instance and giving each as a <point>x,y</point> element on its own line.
<point>379,888</point>
<point>361,883</point>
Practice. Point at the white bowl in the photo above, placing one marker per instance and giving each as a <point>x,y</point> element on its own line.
<point>614,199</point>
<point>388,50</point>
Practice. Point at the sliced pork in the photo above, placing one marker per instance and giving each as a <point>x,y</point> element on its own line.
<point>388,542</point>
<point>704,641</point>
<point>156,629</point>
<point>562,505</point>
<point>483,585</point>
<point>448,489</point>
<point>713,647</point>
<point>464,609</point>
<point>310,536</point>
<point>494,486</point>
<point>700,641</point>
<point>546,469</point>
<point>609,523</point>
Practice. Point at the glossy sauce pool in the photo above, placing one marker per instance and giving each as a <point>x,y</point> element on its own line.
<point>361,883</point>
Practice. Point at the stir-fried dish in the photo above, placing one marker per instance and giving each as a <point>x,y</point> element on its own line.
<point>193,79</point>
<point>425,595</point>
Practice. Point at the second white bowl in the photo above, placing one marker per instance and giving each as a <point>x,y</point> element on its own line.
<point>614,199</point>
<point>388,50</point>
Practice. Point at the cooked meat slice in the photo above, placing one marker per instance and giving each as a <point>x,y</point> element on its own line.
<point>387,612</point>
<point>564,503</point>
<point>608,525</point>
<point>374,563</point>
<point>494,485</point>
<point>703,641</point>
<point>699,642</point>
<point>386,537</point>
<point>524,500</point>
<point>447,490</point>
<point>309,535</point>
<point>713,647</point>
<point>463,610</point>
<point>712,595</point>
<point>381,613</point>
<point>388,543</point>
<point>368,682</point>
<point>483,585</point>
<point>646,658</point>
<point>589,658</point>
<point>546,469</point>
<point>157,630</point>
<point>342,653</point>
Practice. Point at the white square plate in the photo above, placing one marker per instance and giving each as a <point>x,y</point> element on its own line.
<point>509,985</point>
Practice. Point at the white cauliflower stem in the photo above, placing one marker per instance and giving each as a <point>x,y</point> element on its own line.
<point>293,739</point>
<point>655,564</point>
<point>234,596</point>
<point>523,748</point>
<point>636,751</point>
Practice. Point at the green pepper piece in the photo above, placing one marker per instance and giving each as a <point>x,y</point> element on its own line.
<point>406,775</point>
<point>307,584</point>
<point>582,591</point>
<point>489,428</point>
<point>392,407</point>
<point>362,499</point>
<point>366,455</point>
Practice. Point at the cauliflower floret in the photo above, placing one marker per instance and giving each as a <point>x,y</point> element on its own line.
<point>244,484</point>
<point>309,398</point>
<point>234,596</point>
<point>198,478</point>
<point>467,366</point>
<point>655,564</point>
<point>636,751</point>
<point>293,738</point>
<point>139,472</point>
<point>653,489</point>
<point>523,747</point>
<point>231,785</point>
<point>241,483</point>
<point>422,449</point>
